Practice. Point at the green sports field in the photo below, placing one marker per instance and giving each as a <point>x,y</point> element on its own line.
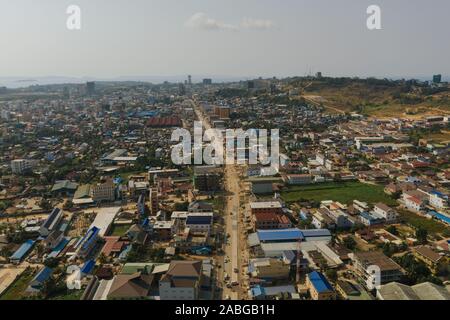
<point>344,192</point>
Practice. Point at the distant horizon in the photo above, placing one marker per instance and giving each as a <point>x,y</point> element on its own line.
<point>230,39</point>
<point>17,82</point>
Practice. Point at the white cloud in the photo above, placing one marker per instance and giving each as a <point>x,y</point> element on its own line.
<point>250,23</point>
<point>200,20</point>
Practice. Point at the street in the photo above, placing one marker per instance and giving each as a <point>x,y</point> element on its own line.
<point>234,247</point>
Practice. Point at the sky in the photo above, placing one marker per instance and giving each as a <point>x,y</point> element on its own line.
<point>234,38</point>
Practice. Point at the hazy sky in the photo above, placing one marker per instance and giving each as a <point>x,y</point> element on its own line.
<point>224,37</point>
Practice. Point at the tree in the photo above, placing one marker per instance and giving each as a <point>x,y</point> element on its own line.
<point>45,204</point>
<point>421,235</point>
<point>5,252</point>
<point>393,230</point>
<point>349,243</point>
<point>389,249</point>
<point>40,249</point>
<point>68,205</point>
<point>102,258</point>
<point>181,206</point>
<point>331,274</point>
<point>51,262</point>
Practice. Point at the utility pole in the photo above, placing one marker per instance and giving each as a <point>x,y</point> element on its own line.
<point>299,257</point>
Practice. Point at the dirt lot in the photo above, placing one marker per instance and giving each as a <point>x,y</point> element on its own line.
<point>7,276</point>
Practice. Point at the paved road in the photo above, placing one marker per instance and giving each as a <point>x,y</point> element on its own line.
<point>231,220</point>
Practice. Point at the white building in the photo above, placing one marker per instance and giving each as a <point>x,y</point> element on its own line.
<point>386,212</point>
<point>438,200</point>
<point>200,221</point>
<point>181,281</point>
<point>415,204</point>
<point>19,166</point>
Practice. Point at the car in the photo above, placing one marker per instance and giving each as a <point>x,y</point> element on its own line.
<point>236,270</point>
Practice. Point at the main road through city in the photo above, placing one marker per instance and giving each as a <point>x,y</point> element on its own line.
<point>232,263</point>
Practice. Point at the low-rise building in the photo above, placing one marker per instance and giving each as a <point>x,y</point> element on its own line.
<point>422,291</point>
<point>22,252</point>
<point>181,281</point>
<point>319,287</point>
<point>200,221</point>
<point>430,257</point>
<point>386,212</point>
<point>270,220</point>
<point>367,264</point>
<point>351,291</point>
<point>266,207</point>
<point>52,222</point>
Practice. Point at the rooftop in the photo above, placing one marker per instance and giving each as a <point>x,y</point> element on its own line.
<point>319,282</point>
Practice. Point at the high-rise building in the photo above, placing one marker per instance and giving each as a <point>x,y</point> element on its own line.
<point>90,88</point>
<point>189,79</point>
<point>19,166</point>
<point>154,203</point>
<point>207,178</point>
<point>181,89</point>
<point>437,78</point>
<point>224,113</point>
<point>104,191</point>
<point>207,82</point>
<point>5,115</point>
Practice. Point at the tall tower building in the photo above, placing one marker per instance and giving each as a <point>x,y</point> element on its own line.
<point>90,88</point>
<point>189,79</point>
<point>154,203</point>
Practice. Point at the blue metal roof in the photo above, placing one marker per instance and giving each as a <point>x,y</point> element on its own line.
<point>23,250</point>
<point>43,275</point>
<point>319,282</point>
<point>146,222</point>
<point>57,250</point>
<point>198,220</point>
<point>439,194</point>
<point>367,216</point>
<point>280,235</point>
<point>439,216</point>
<point>257,291</point>
<point>88,237</point>
<point>88,266</point>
